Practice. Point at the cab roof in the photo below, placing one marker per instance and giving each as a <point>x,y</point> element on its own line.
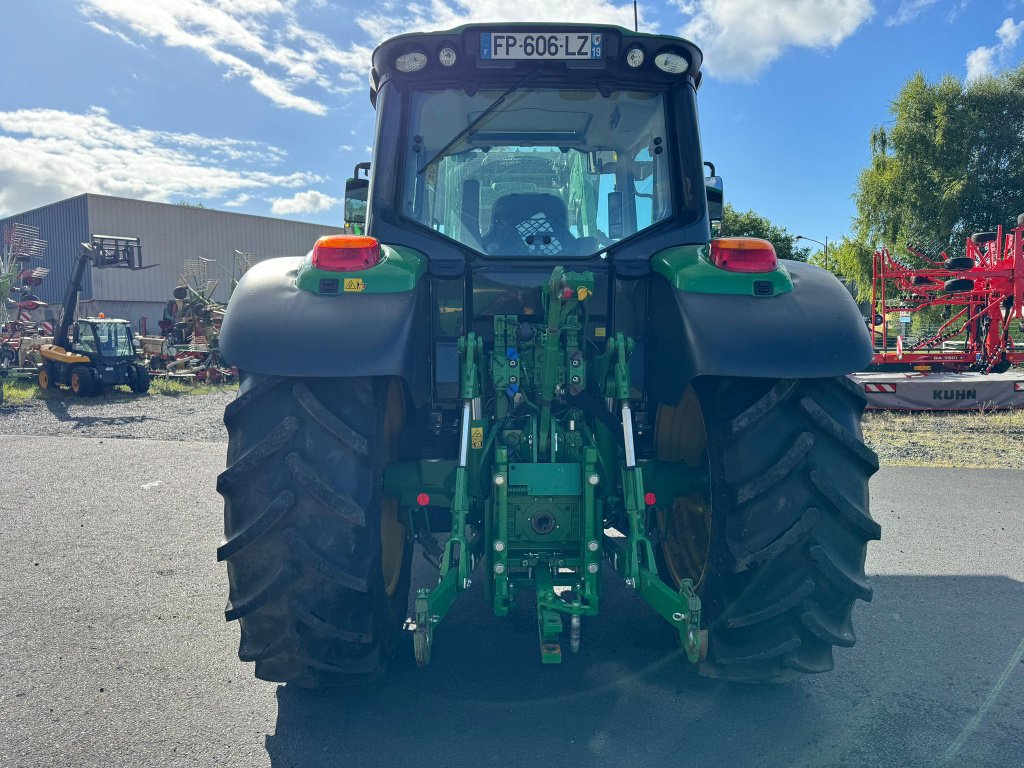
<point>469,40</point>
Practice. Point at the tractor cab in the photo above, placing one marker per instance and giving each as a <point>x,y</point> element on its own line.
<point>105,341</point>
<point>537,143</point>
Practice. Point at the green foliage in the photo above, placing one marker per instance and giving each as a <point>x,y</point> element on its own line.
<point>852,259</point>
<point>951,163</point>
<point>187,204</point>
<point>749,224</point>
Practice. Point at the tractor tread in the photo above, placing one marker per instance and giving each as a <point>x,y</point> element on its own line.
<point>792,471</point>
<point>780,606</point>
<point>256,455</point>
<point>846,508</point>
<point>272,589</point>
<point>240,404</point>
<point>332,498</point>
<point>322,565</point>
<point>268,651</point>
<point>782,390</point>
<point>349,437</point>
<point>764,654</point>
<point>837,576</point>
<point>837,431</point>
<point>273,512</point>
<point>301,503</point>
<point>791,537</point>
<point>826,631</point>
<point>774,474</point>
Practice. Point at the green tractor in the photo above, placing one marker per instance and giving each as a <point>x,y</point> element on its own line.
<point>538,364</point>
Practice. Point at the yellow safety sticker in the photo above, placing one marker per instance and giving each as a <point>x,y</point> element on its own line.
<point>582,292</point>
<point>355,284</point>
<point>476,437</point>
<point>599,331</point>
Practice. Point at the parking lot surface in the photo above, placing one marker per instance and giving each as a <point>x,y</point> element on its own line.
<point>115,651</point>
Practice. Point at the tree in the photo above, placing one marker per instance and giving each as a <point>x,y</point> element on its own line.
<point>750,224</point>
<point>951,163</point>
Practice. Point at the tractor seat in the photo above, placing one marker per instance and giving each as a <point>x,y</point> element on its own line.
<point>529,225</point>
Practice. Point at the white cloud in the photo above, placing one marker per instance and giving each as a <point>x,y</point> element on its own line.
<point>264,43</point>
<point>258,40</point>
<point>309,201</point>
<point>48,154</point>
<point>742,37</point>
<point>984,60</point>
<point>241,200</point>
<point>908,11</point>
<point>442,14</point>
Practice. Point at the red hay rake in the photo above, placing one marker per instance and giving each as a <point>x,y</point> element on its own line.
<point>982,293</point>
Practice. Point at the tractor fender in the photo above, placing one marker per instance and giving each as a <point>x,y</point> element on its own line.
<point>273,327</point>
<point>813,331</point>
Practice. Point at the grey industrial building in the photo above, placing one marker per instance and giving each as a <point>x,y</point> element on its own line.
<point>171,235</point>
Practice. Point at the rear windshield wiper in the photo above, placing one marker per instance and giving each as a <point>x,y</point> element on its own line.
<point>476,121</point>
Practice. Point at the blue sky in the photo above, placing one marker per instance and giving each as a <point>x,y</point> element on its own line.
<point>260,106</point>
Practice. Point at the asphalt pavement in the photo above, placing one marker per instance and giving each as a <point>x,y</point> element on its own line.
<point>114,650</point>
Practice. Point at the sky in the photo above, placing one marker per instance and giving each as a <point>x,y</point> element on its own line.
<point>261,106</point>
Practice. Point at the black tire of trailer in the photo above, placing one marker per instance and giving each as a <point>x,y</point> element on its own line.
<point>960,263</point>
<point>979,238</point>
<point>783,553</point>
<point>319,602</point>
<point>958,285</point>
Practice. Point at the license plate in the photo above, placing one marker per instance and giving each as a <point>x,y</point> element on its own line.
<point>541,45</point>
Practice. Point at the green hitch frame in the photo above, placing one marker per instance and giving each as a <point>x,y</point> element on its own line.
<point>558,468</point>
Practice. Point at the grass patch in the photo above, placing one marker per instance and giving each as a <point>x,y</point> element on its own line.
<point>21,391</point>
<point>982,439</point>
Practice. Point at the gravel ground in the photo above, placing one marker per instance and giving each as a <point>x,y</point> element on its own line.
<point>990,440</point>
<point>190,417</point>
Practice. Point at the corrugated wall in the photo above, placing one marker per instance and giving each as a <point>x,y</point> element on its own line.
<point>174,234</point>
<point>64,226</point>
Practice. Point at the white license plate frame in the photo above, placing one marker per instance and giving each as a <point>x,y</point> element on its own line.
<point>541,46</point>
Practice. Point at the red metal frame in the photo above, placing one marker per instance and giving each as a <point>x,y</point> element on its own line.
<point>982,315</point>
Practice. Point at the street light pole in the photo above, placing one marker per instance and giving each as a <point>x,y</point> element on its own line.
<point>823,245</point>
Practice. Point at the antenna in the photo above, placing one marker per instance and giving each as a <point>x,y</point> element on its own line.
<point>636,18</point>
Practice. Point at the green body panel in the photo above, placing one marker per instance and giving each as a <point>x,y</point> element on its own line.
<point>400,269</point>
<point>688,268</point>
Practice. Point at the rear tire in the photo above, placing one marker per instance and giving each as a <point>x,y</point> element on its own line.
<point>783,552</point>
<point>45,377</point>
<point>320,602</point>
<point>979,238</point>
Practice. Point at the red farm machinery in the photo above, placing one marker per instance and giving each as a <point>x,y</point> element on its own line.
<point>978,299</point>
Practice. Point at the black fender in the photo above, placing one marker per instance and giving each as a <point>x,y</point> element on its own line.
<point>813,331</point>
<point>272,327</point>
